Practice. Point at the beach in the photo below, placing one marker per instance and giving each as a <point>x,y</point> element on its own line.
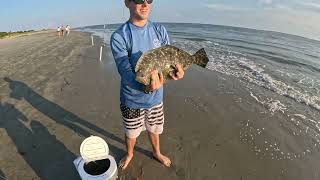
<point>55,92</point>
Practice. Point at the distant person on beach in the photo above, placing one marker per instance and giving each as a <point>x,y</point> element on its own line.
<point>62,31</point>
<point>58,30</point>
<point>141,106</point>
<point>67,30</point>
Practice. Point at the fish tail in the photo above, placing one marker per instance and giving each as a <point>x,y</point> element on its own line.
<point>200,58</point>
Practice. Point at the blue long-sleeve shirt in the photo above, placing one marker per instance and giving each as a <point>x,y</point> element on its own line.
<point>128,43</point>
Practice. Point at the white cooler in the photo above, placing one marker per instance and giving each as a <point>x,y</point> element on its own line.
<point>95,162</point>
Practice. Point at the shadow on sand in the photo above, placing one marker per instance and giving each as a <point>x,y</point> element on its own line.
<point>19,91</point>
<point>2,176</point>
<point>46,155</point>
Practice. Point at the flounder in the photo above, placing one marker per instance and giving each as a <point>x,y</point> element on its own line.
<point>164,59</point>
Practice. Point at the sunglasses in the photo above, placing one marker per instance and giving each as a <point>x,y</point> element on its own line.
<point>142,1</point>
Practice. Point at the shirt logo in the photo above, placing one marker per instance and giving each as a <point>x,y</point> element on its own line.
<point>156,43</point>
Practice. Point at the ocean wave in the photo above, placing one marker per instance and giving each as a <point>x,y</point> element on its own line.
<point>258,44</point>
<point>271,104</point>
<point>239,65</point>
<point>252,73</point>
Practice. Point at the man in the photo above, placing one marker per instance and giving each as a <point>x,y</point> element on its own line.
<point>141,106</point>
<point>62,30</point>
<point>68,30</point>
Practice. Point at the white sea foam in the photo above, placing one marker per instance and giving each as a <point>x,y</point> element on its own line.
<point>239,65</point>
<point>276,149</point>
<point>271,104</point>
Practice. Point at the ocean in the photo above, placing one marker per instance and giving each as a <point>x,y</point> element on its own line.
<point>278,72</point>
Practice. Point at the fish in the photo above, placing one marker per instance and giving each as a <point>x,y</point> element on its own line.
<point>164,60</point>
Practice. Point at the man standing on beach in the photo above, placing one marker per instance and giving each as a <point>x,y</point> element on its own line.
<point>62,30</point>
<point>141,106</point>
<point>67,30</point>
<point>58,30</point>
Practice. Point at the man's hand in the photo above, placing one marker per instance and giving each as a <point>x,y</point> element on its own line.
<point>179,74</point>
<point>156,81</point>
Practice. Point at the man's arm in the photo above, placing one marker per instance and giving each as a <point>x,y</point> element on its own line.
<point>120,54</point>
<point>165,36</point>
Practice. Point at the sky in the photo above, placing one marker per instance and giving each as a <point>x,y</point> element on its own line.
<point>298,17</point>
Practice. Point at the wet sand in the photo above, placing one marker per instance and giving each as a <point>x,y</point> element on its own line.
<point>55,92</point>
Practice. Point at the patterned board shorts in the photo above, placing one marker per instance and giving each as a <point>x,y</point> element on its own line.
<point>137,120</point>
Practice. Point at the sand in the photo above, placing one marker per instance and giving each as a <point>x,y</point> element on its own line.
<point>55,92</point>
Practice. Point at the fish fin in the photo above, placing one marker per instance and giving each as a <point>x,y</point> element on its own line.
<point>200,58</point>
<point>173,71</point>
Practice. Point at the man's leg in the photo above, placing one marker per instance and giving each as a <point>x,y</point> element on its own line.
<point>133,120</point>
<point>130,142</point>
<point>155,142</point>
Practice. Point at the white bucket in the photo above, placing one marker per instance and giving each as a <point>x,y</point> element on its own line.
<point>95,162</point>
<point>110,174</point>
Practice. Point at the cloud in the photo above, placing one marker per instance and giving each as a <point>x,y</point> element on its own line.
<point>296,7</point>
<point>310,5</point>
<point>266,2</point>
<point>223,7</point>
<point>281,7</point>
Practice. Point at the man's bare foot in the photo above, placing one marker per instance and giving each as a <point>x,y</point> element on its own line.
<point>125,161</point>
<point>163,159</point>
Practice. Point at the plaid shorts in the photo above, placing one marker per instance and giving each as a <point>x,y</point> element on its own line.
<point>137,120</point>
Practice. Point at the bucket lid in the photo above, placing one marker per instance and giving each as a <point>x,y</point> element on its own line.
<point>94,148</point>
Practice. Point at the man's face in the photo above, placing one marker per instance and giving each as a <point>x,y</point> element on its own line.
<point>139,11</point>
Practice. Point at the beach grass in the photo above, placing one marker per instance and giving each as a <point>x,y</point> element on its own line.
<point>8,34</point>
